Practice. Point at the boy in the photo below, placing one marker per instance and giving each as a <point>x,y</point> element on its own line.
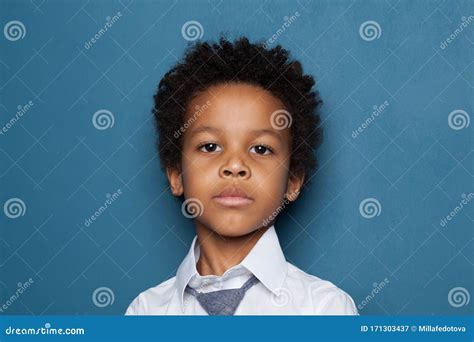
<point>238,127</point>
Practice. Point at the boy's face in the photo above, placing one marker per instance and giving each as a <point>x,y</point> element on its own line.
<point>235,160</point>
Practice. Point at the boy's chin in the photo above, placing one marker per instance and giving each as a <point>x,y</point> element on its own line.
<point>233,230</point>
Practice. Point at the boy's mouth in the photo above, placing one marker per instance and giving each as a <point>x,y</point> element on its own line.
<point>233,197</point>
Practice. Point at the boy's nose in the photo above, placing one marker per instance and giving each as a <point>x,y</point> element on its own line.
<point>234,168</point>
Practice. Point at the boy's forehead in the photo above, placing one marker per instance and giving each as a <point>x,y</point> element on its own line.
<point>233,106</point>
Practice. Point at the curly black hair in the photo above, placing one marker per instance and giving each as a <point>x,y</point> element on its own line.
<point>206,64</point>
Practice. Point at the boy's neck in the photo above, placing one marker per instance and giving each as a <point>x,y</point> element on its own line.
<point>219,253</point>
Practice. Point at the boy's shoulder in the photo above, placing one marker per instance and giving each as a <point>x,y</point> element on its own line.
<point>159,296</point>
<point>327,298</point>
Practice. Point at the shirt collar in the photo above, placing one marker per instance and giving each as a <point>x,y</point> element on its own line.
<point>266,261</point>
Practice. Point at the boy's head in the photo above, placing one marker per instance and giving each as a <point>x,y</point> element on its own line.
<point>238,126</point>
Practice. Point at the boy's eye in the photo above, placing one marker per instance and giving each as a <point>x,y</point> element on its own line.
<point>261,149</point>
<point>209,147</point>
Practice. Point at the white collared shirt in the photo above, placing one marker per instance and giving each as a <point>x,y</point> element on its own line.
<point>283,289</point>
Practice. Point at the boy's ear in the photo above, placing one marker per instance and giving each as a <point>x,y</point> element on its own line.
<point>295,182</point>
<point>175,179</point>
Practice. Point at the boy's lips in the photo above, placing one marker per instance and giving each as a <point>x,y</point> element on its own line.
<point>233,197</point>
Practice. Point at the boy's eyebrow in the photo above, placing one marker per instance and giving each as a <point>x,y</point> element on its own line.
<point>205,129</point>
<point>255,132</point>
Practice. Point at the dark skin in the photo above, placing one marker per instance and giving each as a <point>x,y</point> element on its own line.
<point>233,143</point>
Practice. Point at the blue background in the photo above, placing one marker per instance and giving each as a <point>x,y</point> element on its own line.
<point>409,158</point>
